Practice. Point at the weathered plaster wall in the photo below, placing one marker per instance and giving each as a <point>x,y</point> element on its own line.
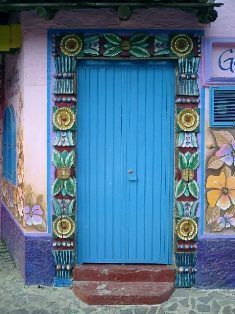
<point>12,194</point>
<point>35,128</point>
<point>28,190</point>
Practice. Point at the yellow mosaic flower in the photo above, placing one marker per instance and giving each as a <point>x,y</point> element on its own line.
<point>188,119</point>
<point>71,45</point>
<point>64,119</point>
<point>181,45</point>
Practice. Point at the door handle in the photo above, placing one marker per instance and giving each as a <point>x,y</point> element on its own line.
<point>131,175</point>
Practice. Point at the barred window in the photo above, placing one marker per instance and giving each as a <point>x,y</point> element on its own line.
<point>222,105</point>
<point>9,145</point>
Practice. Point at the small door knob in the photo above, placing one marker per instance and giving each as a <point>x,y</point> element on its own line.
<point>130,171</point>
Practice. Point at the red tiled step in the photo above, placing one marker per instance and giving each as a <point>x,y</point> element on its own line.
<point>128,273</point>
<point>103,292</point>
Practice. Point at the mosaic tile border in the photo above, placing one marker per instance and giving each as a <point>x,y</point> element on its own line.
<point>67,49</point>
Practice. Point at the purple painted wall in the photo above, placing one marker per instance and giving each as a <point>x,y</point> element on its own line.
<point>216,263</point>
<point>32,254</point>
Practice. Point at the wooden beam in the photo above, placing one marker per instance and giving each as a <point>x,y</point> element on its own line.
<point>58,5</point>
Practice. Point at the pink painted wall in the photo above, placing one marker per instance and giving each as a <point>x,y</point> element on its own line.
<point>34,70</point>
<point>224,26</point>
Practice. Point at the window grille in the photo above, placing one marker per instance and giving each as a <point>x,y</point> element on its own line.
<point>222,105</point>
<point>9,145</point>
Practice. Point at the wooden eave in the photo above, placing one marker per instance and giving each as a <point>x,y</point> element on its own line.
<point>205,9</point>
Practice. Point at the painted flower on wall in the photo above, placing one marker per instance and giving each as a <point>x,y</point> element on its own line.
<point>226,153</point>
<point>222,191</point>
<point>226,221</point>
<point>33,216</point>
<point>220,213</point>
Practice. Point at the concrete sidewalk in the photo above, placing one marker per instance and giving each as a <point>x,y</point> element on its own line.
<point>16,298</point>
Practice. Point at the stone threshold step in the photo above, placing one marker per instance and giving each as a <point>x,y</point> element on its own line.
<point>123,293</point>
<point>127,273</point>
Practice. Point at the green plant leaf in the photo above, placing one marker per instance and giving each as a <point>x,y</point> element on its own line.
<point>194,208</point>
<point>112,52</point>
<point>193,188</point>
<point>138,38</point>
<point>139,52</point>
<point>70,186</point>
<point>113,39</point>
<point>63,156</point>
<point>57,186</point>
<point>182,161</point>
<point>143,45</point>
<point>193,162</point>
<point>108,45</point>
<point>63,191</point>
<point>71,207</point>
<point>187,156</point>
<point>56,205</point>
<point>91,39</point>
<point>161,52</point>
<point>90,51</point>
<point>56,159</point>
<point>180,188</point>
<point>186,192</point>
<point>69,160</point>
<point>160,39</point>
<point>180,208</point>
<point>194,140</point>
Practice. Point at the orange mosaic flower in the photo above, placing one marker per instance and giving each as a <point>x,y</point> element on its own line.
<point>222,191</point>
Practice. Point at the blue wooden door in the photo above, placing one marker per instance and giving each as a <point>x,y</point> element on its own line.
<point>125,162</point>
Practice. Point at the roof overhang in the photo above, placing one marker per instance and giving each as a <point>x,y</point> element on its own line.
<point>204,9</point>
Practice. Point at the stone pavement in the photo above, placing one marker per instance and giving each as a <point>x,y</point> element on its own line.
<point>16,298</point>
